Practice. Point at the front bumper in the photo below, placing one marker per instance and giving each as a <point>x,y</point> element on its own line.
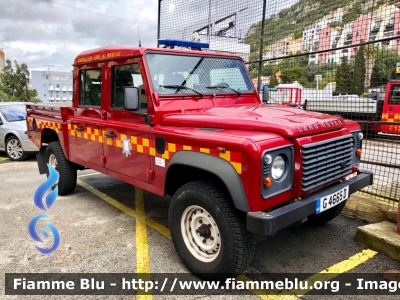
<point>268,223</point>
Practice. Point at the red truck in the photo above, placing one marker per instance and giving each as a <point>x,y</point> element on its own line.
<point>378,114</point>
<point>190,124</point>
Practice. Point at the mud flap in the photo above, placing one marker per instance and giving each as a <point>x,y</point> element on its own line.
<point>41,160</point>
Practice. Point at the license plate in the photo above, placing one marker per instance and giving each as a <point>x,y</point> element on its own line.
<point>331,200</point>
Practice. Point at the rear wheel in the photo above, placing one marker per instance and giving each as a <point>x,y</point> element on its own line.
<point>14,149</point>
<point>208,233</point>
<point>327,215</point>
<point>67,172</point>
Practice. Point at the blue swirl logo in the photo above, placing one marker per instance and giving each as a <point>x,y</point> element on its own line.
<point>37,200</point>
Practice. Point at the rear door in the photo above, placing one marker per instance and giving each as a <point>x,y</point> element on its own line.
<point>126,140</point>
<point>391,109</point>
<point>86,140</point>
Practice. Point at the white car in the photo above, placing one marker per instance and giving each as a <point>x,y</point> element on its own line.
<point>13,131</point>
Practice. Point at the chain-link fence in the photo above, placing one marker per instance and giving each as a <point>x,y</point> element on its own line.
<point>338,57</point>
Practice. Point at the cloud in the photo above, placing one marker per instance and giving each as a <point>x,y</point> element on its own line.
<point>39,32</point>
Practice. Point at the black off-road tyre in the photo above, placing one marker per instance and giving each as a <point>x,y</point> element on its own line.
<point>67,171</point>
<point>202,200</point>
<point>327,215</point>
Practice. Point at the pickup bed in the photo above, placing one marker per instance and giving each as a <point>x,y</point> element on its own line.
<point>189,124</point>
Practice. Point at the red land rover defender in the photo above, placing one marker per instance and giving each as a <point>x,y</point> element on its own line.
<point>190,124</point>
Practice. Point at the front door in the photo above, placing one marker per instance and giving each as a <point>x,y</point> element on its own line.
<point>391,109</point>
<point>126,141</point>
<point>85,125</point>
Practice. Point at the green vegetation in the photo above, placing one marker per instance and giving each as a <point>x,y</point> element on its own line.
<point>371,67</point>
<point>344,77</point>
<point>14,84</point>
<point>359,72</point>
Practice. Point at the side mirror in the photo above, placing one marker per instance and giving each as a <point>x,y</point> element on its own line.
<point>131,98</point>
<point>265,94</point>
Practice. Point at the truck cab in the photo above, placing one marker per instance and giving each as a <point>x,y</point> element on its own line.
<point>190,124</point>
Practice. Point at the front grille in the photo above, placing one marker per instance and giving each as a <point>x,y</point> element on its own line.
<point>326,161</point>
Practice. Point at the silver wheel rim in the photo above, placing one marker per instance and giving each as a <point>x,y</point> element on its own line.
<point>53,162</point>
<point>200,233</point>
<point>14,149</point>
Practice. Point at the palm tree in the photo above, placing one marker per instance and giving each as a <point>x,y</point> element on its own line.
<point>371,50</point>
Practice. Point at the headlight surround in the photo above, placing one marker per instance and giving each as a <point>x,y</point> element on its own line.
<point>278,167</point>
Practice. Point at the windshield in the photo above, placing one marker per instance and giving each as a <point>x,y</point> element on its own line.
<point>14,113</point>
<point>201,74</point>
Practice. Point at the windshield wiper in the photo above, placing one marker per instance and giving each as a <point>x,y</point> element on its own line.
<point>223,87</point>
<point>180,87</point>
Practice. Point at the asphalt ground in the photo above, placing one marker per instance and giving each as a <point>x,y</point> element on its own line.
<point>107,226</point>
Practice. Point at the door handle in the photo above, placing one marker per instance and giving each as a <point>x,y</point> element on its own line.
<point>80,129</point>
<point>111,135</point>
<point>390,109</point>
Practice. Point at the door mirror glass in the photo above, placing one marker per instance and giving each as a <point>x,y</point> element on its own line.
<point>131,98</point>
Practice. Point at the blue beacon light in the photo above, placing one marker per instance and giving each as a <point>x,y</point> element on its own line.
<point>182,43</point>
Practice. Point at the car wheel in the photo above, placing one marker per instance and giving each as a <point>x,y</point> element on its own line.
<point>14,149</point>
<point>327,215</point>
<point>208,233</point>
<point>67,172</point>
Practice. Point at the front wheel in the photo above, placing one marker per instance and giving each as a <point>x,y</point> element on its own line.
<point>14,149</point>
<point>67,172</point>
<point>208,233</point>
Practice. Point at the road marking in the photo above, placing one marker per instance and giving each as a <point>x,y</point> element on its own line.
<point>17,164</point>
<point>326,274</point>
<point>129,211</point>
<point>90,174</point>
<point>142,246</point>
<point>3,159</point>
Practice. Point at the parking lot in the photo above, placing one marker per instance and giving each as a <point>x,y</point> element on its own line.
<point>107,226</point>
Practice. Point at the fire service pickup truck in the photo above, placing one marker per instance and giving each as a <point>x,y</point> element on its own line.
<point>190,124</point>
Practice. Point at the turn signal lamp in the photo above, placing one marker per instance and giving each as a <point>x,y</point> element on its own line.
<point>267,182</point>
<point>358,152</point>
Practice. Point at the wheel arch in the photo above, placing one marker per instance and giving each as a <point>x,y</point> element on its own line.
<point>186,166</point>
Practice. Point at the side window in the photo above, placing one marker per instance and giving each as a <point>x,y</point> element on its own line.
<point>127,75</point>
<point>90,87</point>
<point>394,96</point>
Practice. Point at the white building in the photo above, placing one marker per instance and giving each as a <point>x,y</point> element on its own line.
<point>55,86</point>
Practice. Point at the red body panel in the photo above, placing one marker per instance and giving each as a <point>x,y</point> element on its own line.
<point>240,123</point>
<point>391,109</point>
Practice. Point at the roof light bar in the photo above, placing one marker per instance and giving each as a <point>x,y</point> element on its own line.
<point>181,43</point>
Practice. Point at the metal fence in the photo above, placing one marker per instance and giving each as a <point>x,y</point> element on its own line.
<point>338,57</point>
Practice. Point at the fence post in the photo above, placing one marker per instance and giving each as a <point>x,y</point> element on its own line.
<point>261,45</point>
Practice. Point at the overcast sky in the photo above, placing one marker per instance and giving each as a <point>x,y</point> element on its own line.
<point>42,32</point>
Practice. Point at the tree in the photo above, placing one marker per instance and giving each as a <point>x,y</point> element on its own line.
<point>344,80</point>
<point>371,52</point>
<point>3,96</point>
<point>359,72</point>
<point>16,81</point>
<point>384,67</point>
<point>273,81</point>
<point>294,73</point>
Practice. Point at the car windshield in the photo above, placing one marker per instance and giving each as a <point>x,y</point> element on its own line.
<point>13,113</point>
<point>180,74</point>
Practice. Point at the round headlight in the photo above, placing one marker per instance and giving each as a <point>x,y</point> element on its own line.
<point>360,136</point>
<point>278,167</point>
<point>267,159</point>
